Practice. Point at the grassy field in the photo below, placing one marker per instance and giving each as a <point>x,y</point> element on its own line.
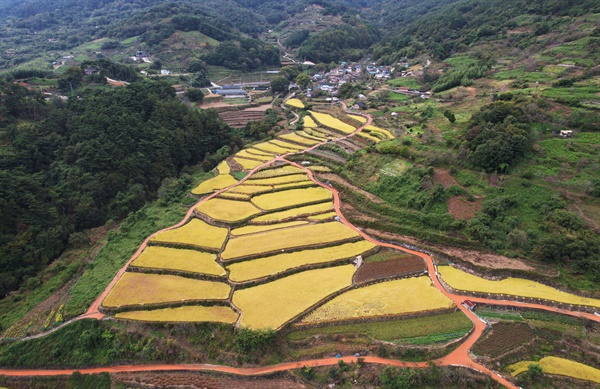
<point>295,212</point>
<point>195,233</point>
<point>228,210</point>
<point>331,122</point>
<point>559,366</point>
<point>262,267</point>
<point>218,182</point>
<point>278,180</point>
<point>139,288</point>
<point>288,238</point>
<point>296,103</point>
<point>271,305</point>
<point>396,330</point>
<point>292,197</point>
<point>252,229</point>
<point>386,298</point>
<point>156,257</point>
<point>187,314</point>
<point>247,164</point>
<point>395,168</point>
<point>460,280</point>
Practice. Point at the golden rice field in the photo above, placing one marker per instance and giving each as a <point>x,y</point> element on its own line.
<point>295,185</point>
<point>235,196</point>
<point>323,216</point>
<point>190,314</point>
<point>258,152</point>
<point>195,233</point>
<point>287,238</point>
<point>250,189</point>
<point>262,267</point>
<point>319,132</point>
<point>316,137</point>
<point>223,167</point>
<point>270,147</point>
<point>157,257</point>
<point>277,172</point>
<point>286,145</point>
<point>246,154</point>
<point>379,132</point>
<point>273,304</point>
<point>292,137</point>
<point>253,229</point>
<point>559,366</point>
<point>361,119</point>
<point>247,164</point>
<point>366,136</point>
<point>461,280</point>
<point>277,180</point>
<point>331,122</point>
<point>296,103</point>
<point>218,182</point>
<point>227,210</point>
<point>295,212</point>
<point>292,197</point>
<point>396,297</point>
<point>309,122</point>
<point>140,288</point>
<point>319,169</point>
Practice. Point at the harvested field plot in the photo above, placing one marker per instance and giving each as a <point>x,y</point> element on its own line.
<point>278,180</point>
<point>361,119</point>
<point>219,182</point>
<point>460,280</point>
<point>309,122</point>
<point>272,305</point>
<point>295,212</point>
<point>227,210</point>
<point>190,314</point>
<point>287,239</point>
<point>331,122</point>
<point>277,172</point>
<point>386,298</point>
<point>156,257</point>
<point>262,267</point>
<point>139,288</point>
<point>391,268</point>
<point>559,366</point>
<point>247,164</point>
<point>195,233</point>
<point>292,197</point>
<point>504,337</point>
<point>299,139</point>
<point>239,119</point>
<point>296,103</point>
<point>286,145</point>
<point>262,228</point>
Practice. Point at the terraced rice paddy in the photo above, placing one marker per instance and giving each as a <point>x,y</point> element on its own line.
<point>262,267</point>
<point>294,212</point>
<point>287,239</point>
<point>286,145</point>
<point>361,119</point>
<point>189,314</point>
<point>273,304</point>
<point>323,216</point>
<point>396,297</point>
<point>366,136</point>
<point>559,366</point>
<point>247,164</point>
<point>300,139</point>
<point>262,228</point>
<point>156,257</point>
<point>291,198</point>
<point>292,185</point>
<point>315,136</point>
<point>228,210</point>
<point>296,103</point>
<point>235,196</point>
<point>309,122</point>
<point>196,233</point>
<point>250,189</point>
<point>253,151</point>
<point>223,168</point>
<point>278,180</point>
<point>246,154</point>
<point>461,280</point>
<point>378,132</point>
<point>331,122</point>
<point>135,289</point>
<point>278,172</point>
<point>270,147</point>
<point>218,182</point>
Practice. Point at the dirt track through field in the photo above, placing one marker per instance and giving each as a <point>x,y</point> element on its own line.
<point>461,356</point>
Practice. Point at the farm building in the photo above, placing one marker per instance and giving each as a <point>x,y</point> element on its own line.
<point>231,93</point>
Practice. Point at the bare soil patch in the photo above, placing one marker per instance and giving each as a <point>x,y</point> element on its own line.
<point>327,155</point>
<point>444,177</point>
<point>349,211</point>
<point>388,269</point>
<point>461,208</point>
<point>338,180</point>
<point>493,180</point>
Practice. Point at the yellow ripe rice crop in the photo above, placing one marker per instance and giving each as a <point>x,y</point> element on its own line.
<point>295,212</point>
<point>273,304</point>
<point>156,257</point>
<point>277,180</point>
<point>287,145</point>
<point>296,103</point>
<point>292,137</point>
<point>228,210</point>
<point>262,267</point>
<point>319,169</point>
<point>277,172</point>
<point>300,184</point>
<point>331,122</point>
<point>252,229</point>
<point>195,233</point>
<point>559,366</point>
<point>385,298</point>
<point>219,182</point>
<point>246,154</point>
<point>361,119</point>
<point>304,134</point>
<point>319,132</point>
<point>366,136</point>
<point>270,147</point>
<point>254,151</point>
<point>190,314</point>
<point>292,197</point>
<point>384,133</point>
<point>287,238</point>
<point>323,216</point>
<point>140,288</point>
<point>235,196</point>
<point>250,189</point>
<point>223,168</point>
<point>309,122</point>
<point>460,280</point>
<point>247,164</point>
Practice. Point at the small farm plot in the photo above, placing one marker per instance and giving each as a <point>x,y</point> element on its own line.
<point>309,122</point>
<point>252,151</point>
<point>247,164</point>
<point>250,189</point>
<point>322,216</point>
<point>299,139</point>
<point>559,366</point>
<point>291,198</point>
<point>367,136</point>
<point>461,280</point>
<point>296,103</point>
<point>387,269</point>
<point>503,338</point>
<point>273,304</point>
<point>234,196</point>
<point>287,145</point>
<point>306,135</point>
<point>186,314</point>
<point>359,118</point>
<point>292,238</point>
<point>253,229</point>
<point>294,213</point>
<point>331,122</point>
<point>383,299</point>
<point>136,289</point>
<point>218,182</point>
<point>247,155</point>
<point>196,233</point>
<point>277,172</point>
<point>231,211</point>
<point>262,267</point>
<point>223,168</point>
<point>157,257</point>
<point>270,147</point>
<point>278,180</point>
<point>379,133</point>
<point>295,185</point>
